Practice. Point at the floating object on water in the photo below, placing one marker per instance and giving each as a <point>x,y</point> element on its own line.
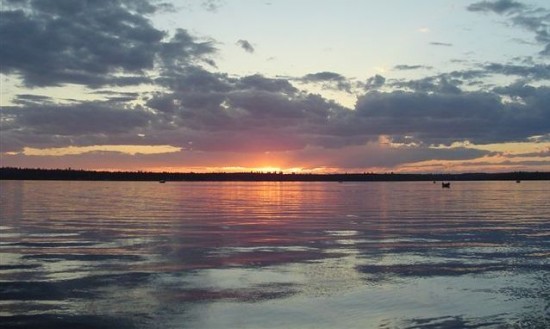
<point>446,185</point>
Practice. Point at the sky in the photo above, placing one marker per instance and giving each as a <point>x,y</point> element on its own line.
<point>424,86</point>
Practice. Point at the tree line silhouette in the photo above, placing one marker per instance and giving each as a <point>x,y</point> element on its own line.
<point>10,173</point>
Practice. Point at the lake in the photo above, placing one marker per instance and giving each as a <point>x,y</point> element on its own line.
<point>274,255</point>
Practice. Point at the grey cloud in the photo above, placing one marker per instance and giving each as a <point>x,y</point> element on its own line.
<point>517,90</point>
<point>260,82</point>
<point>404,67</point>
<point>434,111</point>
<point>255,113</point>
<point>245,111</point>
<point>23,99</point>
<point>444,44</point>
<point>375,82</point>
<point>323,76</point>
<point>195,79</point>
<point>451,82</point>
<point>246,46</point>
<point>329,80</point>
<point>46,124</point>
<point>93,43</point>
<point>182,49</point>
<point>533,72</point>
<point>442,118</point>
<point>534,20</point>
<point>438,84</point>
<point>212,5</point>
<point>499,6</point>
<point>374,155</point>
<point>76,119</point>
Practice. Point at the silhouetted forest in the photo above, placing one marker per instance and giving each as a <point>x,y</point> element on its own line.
<point>88,175</point>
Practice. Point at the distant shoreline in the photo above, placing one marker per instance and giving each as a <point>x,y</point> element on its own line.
<point>8,173</point>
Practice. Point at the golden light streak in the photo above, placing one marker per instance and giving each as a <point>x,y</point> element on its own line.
<point>506,148</point>
<point>126,149</point>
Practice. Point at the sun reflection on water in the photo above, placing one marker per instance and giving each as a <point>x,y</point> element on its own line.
<point>273,254</point>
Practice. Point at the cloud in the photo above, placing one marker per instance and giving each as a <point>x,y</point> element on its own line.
<point>534,20</point>
<point>246,46</point>
<point>535,72</point>
<point>376,155</point>
<point>443,44</point>
<point>46,124</point>
<point>91,43</point>
<point>499,6</point>
<point>374,82</point>
<point>404,67</point>
<point>329,80</point>
<point>212,5</point>
<point>252,113</point>
<point>437,84</point>
<point>440,118</point>
<point>126,149</point>
<point>212,115</point>
<point>323,76</point>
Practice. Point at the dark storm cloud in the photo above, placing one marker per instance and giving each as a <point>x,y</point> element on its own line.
<point>93,43</point>
<point>245,45</point>
<point>535,20</point>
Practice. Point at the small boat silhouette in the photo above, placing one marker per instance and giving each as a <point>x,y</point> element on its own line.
<point>162,181</point>
<point>446,185</point>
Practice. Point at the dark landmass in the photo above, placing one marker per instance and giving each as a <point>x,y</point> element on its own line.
<point>88,175</point>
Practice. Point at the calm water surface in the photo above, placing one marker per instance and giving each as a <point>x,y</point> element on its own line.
<point>274,255</point>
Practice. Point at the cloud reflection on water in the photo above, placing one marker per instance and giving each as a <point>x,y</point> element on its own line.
<point>403,255</point>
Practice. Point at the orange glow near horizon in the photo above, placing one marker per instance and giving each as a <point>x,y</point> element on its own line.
<point>232,169</point>
<point>506,157</point>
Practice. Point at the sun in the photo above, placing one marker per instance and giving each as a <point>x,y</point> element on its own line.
<point>267,169</point>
